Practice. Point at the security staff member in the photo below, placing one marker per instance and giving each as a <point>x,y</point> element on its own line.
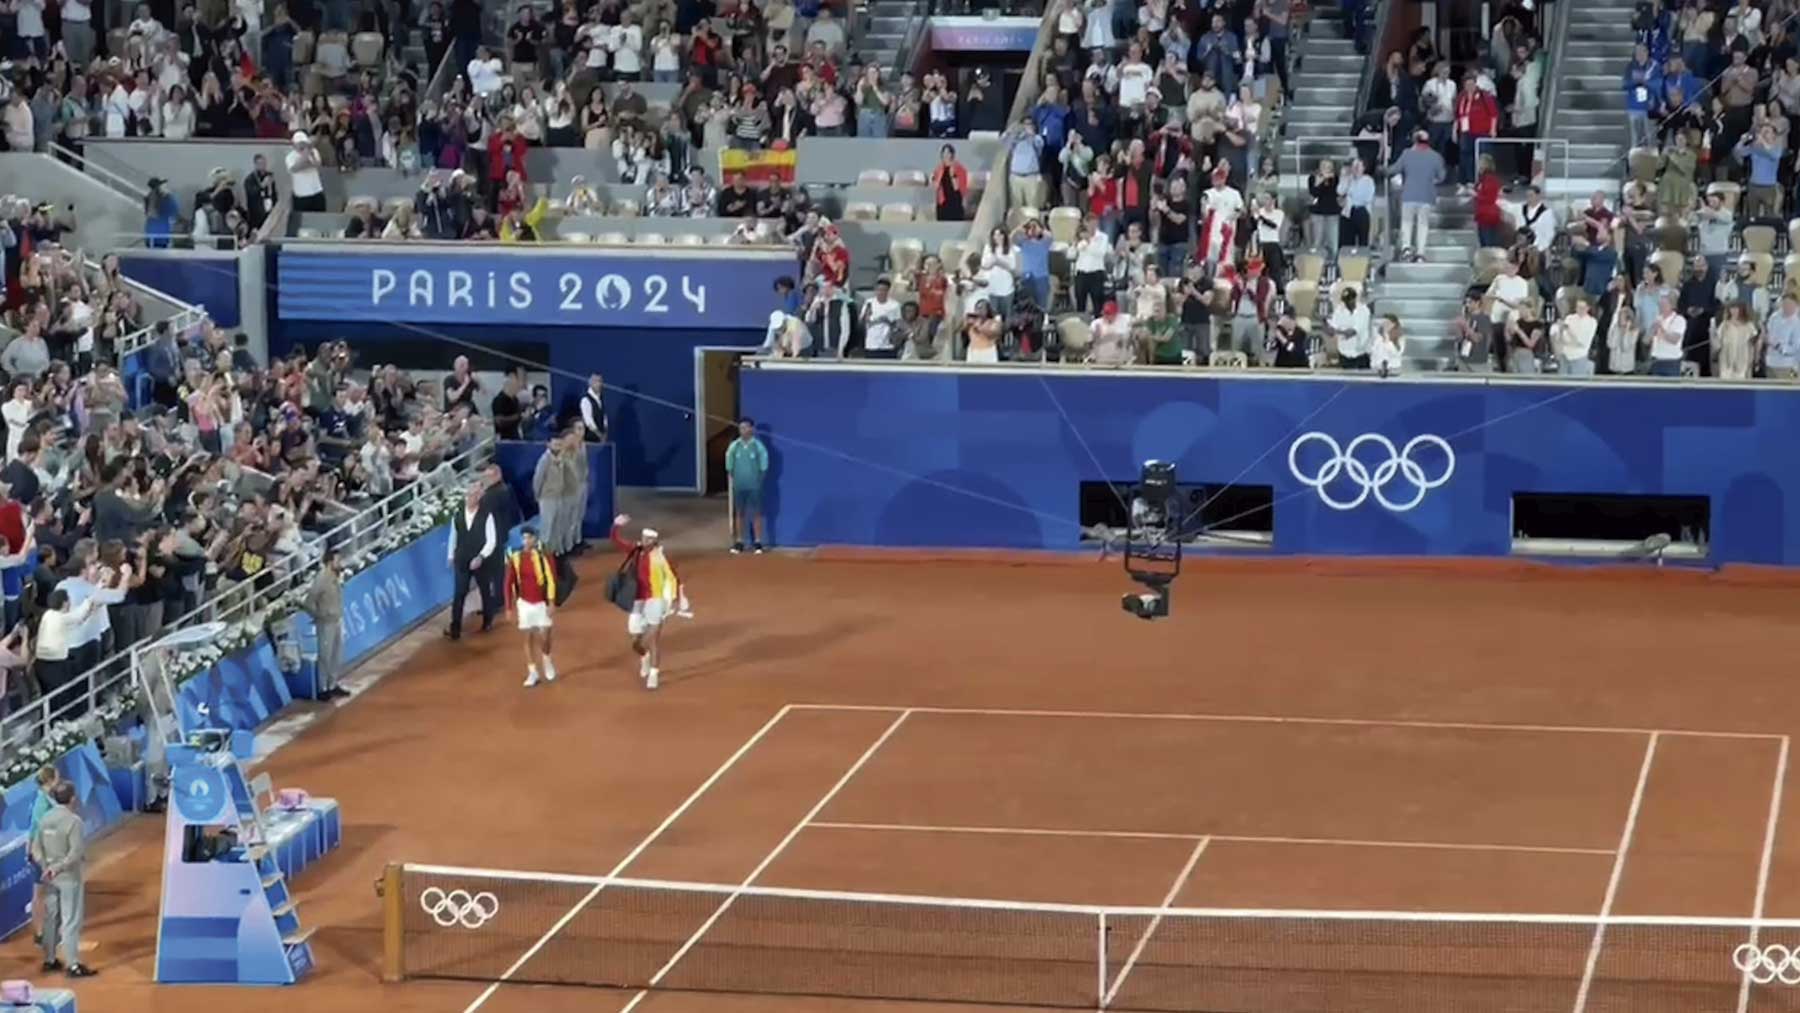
<point>61,847</point>
<point>593,411</point>
<point>474,556</point>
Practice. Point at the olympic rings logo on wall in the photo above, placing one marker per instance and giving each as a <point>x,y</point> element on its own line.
<point>1372,479</point>
<point>459,907</point>
<point>1768,964</point>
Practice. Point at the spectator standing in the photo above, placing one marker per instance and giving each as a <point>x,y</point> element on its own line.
<point>78,33</point>
<point>556,481</point>
<point>1024,164</point>
<point>304,180</point>
<point>950,185</point>
<point>1668,339</point>
<point>1781,352</point>
<point>1352,326</point>
<point>1640,83</point>
<point>1573,340</point>
<point>1477,118</point>
<point>261,193</point>
<point>1420,171</point>
<point>747,464</point>
<point>1357,190</point>
<point>325,604</point>
<point>1387,353</point>
<point>879,314</point>
<point>1698,303</point>
<point>472,554</point>
<point>1734,343</point>
<point>593,410</point>
<point>1324,209</point>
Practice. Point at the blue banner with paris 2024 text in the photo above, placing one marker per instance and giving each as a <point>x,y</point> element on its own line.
<point>530,288</point>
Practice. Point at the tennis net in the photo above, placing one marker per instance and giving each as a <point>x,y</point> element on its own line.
<point>538,928</point>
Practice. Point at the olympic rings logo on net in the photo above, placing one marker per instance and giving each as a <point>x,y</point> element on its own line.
<point>1372,479</point>
<point>1768,964</point>
<point>459,907</point>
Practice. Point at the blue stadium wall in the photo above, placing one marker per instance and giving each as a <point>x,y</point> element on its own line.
<point>900,456</point>
<point>577,311</point>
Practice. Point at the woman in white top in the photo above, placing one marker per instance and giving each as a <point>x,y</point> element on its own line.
<point>1622,338</point>
<point>999,268</point>
<point>1573,341</point>
<point>55,628</point>
<point>1098,33</point>
<point>1734,343</point>
<point>1090,252</point>
<point>528,115</point>
<point>665,56</point>
<point>1388,350</point>
<point>116,109</point>
<point>1069,21</point>
<point>981,332</point>
<point>178,115</point>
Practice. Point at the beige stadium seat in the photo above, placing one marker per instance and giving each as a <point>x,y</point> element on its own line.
<point>691,239</point>
<point>1309,266</point>
<point>1303,297</point>
<point>1065,223</point>
<point>1565,299</point>
<point>394,204</point>
<point>1762,266</point>
<point>874,177</point>
<point>361,200</point>
<point>1671,234</point>
<point>575,237</point>
<point>1670,263</point>
<point>613,238</point>
<point>1341,285</point>
<point>912,177</point>
<point>651,239</point>
<point>952,252</point>
<point>366,48</point>
<point>1759,238</point>
<point>1794,234</point>
<point>861,211</point>
<point>984,135</point>
<point>1487,263</point>
<point>896,212</point>
<point>627,209</point>
<point>1229,360</point>
<point>1019,216</point>
<point>306,233</point>
<point>1353,268</point>
<point>904,256</point>
<point>1790,267</point>
<point>978,180</point>
<point>1077,335</point>
<point>1645,163</point>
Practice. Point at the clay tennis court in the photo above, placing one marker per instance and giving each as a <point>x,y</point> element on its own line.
<point>1358,737</point>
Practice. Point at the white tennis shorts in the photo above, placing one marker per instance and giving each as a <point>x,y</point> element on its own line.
<point>534,615</point>
<point>646,615</point>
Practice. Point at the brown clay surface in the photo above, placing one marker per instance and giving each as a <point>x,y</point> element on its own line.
<point>450,761</point>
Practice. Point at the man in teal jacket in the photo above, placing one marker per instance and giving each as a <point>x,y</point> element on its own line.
<point>747,462</point>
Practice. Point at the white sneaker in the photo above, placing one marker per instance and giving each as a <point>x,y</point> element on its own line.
<point>549,671</point>
<point>531,678</point>
<point>650,680</point>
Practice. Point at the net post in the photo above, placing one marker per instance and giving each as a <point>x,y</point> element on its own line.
<point>1100,963</point>
<point>392,887</point>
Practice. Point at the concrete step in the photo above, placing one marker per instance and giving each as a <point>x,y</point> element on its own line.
<point>1336,115</point>
<point>1591,82</point>
<point>1429,272</point>
<point>1329,44</point>
<point>1611,101</point>
<point>1427,309</point>
<point>1332,64</point>
<point>1584,18</point>
<point>1310,79</point>
<point>1577,117</point>
<point>1432,291</point>
<point>1594,66</point>
<point>1600,46</point>
<point>1458,255</point>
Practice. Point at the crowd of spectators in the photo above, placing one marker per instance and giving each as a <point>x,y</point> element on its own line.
<point>115,519</point>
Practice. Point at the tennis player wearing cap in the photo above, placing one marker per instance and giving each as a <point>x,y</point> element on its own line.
<point>659,593</point>
<point>531,595</point>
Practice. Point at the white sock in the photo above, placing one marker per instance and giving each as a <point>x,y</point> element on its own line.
<point>531,676</point>
<point>651,680</point>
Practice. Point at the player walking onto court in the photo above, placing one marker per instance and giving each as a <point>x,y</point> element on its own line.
<point>655,593</point>
<point>531,594</point>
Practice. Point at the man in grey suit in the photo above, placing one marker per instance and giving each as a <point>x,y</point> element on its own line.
<point>61,847</point>
<point>325,603</point>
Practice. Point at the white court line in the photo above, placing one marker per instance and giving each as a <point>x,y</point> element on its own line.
<point>1762,872</point>
<point>1276,719</point>
<point>1618,873</point>
<point>1151,835</point>
<point>642,845</point>
<point>768,860</point>
<point>1137,951</point>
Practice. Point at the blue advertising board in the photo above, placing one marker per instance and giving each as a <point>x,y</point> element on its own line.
<point>899,456</point>
<point>524,287</point>
<point>952,34</point>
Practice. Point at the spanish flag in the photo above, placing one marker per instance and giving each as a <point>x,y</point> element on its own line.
<point>764,166</point>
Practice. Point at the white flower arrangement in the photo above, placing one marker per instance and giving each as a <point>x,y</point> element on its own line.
<point>432,507</point>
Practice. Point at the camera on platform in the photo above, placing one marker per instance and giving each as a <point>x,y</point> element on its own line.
<point>1153,540</point>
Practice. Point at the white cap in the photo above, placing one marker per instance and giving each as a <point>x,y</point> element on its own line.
<point>301,138</point>
<point>649,533</point>
<point>777,318</point>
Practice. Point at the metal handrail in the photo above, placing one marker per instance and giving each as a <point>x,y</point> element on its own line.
<point>119,183</point>
<point>144,337</point>
<point>85,693</point>
<point>1372,67</point>
<point>1559,30</point>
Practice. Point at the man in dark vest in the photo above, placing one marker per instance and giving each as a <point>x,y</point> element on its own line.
<point>474,556</point>
<point>593,411</point>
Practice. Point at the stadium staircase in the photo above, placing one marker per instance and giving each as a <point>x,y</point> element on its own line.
<point>1588,102</point>
<point>1325,82</point>
<point>1427,296</point>
<point>885,32</point>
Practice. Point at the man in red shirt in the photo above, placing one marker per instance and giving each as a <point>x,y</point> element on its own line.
<point>658,593</point>
<point>531,593</point>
